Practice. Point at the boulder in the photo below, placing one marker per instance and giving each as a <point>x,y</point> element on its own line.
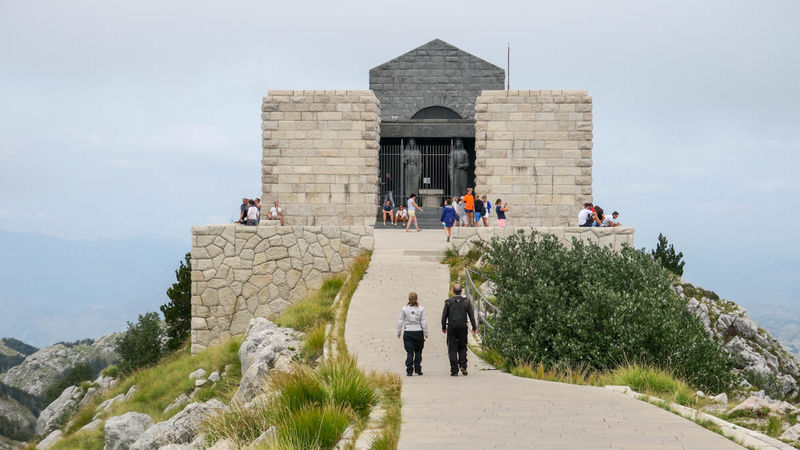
<point>792,433</point>
<point>265,347</point>
<point>104,382</point>
<point>224,444</point>
<point>57,412</point>
<point>179,402</point>
<point>720,398</point>
<point>200,382</point>
<point>699,310</point>
<point>124,430</point>
<point>199,373</point>
<point>91,394</point>
<point>182,428</point>
<point>105,405</point>
<point>756,403</point>
<point>50,440</point>
<point>253,383</point>
<point>263,440</point>
<point>214,377</point>
<point>131,392</point>
<point>93,425</point>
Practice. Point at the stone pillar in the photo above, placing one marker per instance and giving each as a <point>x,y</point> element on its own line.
<point>320,156</point>
<point>534,150</point>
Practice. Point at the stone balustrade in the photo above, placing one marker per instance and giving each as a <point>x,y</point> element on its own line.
<point>464,238</point>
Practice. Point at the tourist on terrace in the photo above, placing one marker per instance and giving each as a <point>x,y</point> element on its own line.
<point>243,211</point>
<point>258,205</point>
<point>457,310</point>
<point>458,204</point>
<point>479,209</point>
<point>501,213</point>
<point>599,217</point>
<point>401,216</point>
<point>387,211</point>
<point>413,325</point>
<point>275,213</point>
<point>252,214</point>
<point>614,220</point>
<point>487,210</point>
<point>585,216</point>
<point>412,212</point>
<point>469,207</point>
<point>449,217</point>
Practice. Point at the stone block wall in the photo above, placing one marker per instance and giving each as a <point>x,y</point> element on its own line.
<point>320,156</point>
<point>241,272</point>
<point>534,150</point>
<point>463,239</point>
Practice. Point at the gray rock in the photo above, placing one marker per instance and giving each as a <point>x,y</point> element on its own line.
<point>50,440</point>
<point>57,412</point>
<point>700,310</point>
<point>700,394</point>
<point>199,373</point>
<point>253,382</point>
<point>39,370</point>
<point>224,444</point>
<point>261,350</point>
<point>179,402</point>
<point>131,392</point>
<point>181,428</point>
<point>122,431</point>
<point>91,394</point>
<point>214,377</point>
<point>792,433</point>
<point>93,425</point>
<point>104,383</point>
<point>488,288</point>
<point>720,398</point>
<point>105,405</point>
<point>756,403</point>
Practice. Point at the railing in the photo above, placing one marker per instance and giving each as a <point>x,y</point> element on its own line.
<point>483,308</point>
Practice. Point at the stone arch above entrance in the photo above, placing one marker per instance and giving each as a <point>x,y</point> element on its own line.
<point>436,112</point>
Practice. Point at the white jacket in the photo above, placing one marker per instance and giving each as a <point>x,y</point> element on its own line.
<point>412,318</point>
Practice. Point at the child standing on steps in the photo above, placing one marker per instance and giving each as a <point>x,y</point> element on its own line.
<point>413,325</point>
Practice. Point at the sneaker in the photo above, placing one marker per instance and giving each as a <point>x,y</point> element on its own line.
<point>448,238</point>
<point>464,372</point>
<point>454,374</point>
<point>419,373</point>
<point>408,374</point>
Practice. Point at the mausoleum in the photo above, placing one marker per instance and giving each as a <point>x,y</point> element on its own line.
<point>434,121</point>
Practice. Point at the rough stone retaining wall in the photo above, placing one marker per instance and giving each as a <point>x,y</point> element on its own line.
<point>463,238</point>
<point>241,272</point>
<point>320,156</point>
<point>534,150</point>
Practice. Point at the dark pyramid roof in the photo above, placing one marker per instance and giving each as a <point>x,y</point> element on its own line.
<point>436,47</point>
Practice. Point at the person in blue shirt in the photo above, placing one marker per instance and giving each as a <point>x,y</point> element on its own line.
<point>449,218</point>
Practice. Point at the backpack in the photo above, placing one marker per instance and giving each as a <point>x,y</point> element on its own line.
<point>457,311</point>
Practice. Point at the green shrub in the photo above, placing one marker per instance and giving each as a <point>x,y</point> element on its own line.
<point>73,377</point>
<point>589,306</point>
<point>314,343</point>
<point>110,371</point>
<point>311,427</point>
<point>178,311</point>
<point>767,381</point>
<point>141,345</point>
<point>348,386</point>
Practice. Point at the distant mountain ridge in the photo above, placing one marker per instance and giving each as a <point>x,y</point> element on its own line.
<point>94,286</point>
<point>13,352</point>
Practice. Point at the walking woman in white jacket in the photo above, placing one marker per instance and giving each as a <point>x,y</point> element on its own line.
<point>413,325</point>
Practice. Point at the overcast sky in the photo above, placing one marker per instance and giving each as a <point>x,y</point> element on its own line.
<point>120,119</point>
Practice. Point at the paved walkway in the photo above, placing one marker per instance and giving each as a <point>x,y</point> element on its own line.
<point>488,408</point>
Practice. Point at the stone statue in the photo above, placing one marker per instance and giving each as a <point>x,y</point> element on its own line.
<point>459,164</point>
<point>412,167</point>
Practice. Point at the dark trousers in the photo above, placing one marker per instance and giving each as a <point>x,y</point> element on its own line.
<point>413,341</point>
<point>457,348</point>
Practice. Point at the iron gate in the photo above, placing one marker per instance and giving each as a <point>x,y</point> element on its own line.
<point>434,181</point>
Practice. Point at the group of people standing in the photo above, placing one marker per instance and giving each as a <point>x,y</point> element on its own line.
<point>250,212</point>
<point>471,210</point>
<point>412,326</point>
<point>594,216</point>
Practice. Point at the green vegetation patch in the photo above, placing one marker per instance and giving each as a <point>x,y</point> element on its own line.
<point>86,440</point>
<point>588,306</point>
<point>312,310</point>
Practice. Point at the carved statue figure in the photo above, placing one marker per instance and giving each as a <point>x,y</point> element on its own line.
<point>412,166</point>
<point>459,164</point>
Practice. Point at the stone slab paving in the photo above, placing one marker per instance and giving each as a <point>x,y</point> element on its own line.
<point>488,408</point>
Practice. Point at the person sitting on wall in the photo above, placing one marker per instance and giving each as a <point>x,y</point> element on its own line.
<point>243,211</point>
<point>614,220</point>
<point>599,217</point>
<point>401,216</point>
<point>469,207</point>
<point>275,213</point>
<point>252,214</point>
<point>387,211</point>
<point>585,216</point>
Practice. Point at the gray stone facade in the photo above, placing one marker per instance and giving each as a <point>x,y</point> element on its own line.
<point>241,272</point>
<point>434,74</point>
<point>320,156</point>
<point>463,239</point>
<point>533,149</point>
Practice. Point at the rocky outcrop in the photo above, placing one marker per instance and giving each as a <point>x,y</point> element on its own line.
<point>40,369</point>
<point>13,352</point>
<point>59,411</point>
<point>122,431</point>
<point>50,440</point>
<point>265,347</point>
<point>759,357</point>
<point>18,421</point>
<point>182,428</point>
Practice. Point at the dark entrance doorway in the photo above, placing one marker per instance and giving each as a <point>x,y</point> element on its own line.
<point>434,182</point>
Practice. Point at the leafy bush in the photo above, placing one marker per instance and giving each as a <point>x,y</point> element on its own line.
<point>665,255</point>
<point>178,311</point>
<point>110,371</point>
<point>589,306</point>
<point>142,345</point>
<point>73,377</point>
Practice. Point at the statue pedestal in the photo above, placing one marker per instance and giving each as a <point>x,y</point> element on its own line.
<point>431,198</point>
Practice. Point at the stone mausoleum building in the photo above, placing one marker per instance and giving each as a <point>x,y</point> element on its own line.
<point>434,121</point>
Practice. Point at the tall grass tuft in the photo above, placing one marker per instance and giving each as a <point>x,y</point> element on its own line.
<point>314,343</point>
<point>312,310</point>
<point>348,386</point>
<point>240,424</point>
<point>311,426</point>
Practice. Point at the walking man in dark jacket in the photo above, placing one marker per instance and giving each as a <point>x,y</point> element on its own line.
<point>457,309</point>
